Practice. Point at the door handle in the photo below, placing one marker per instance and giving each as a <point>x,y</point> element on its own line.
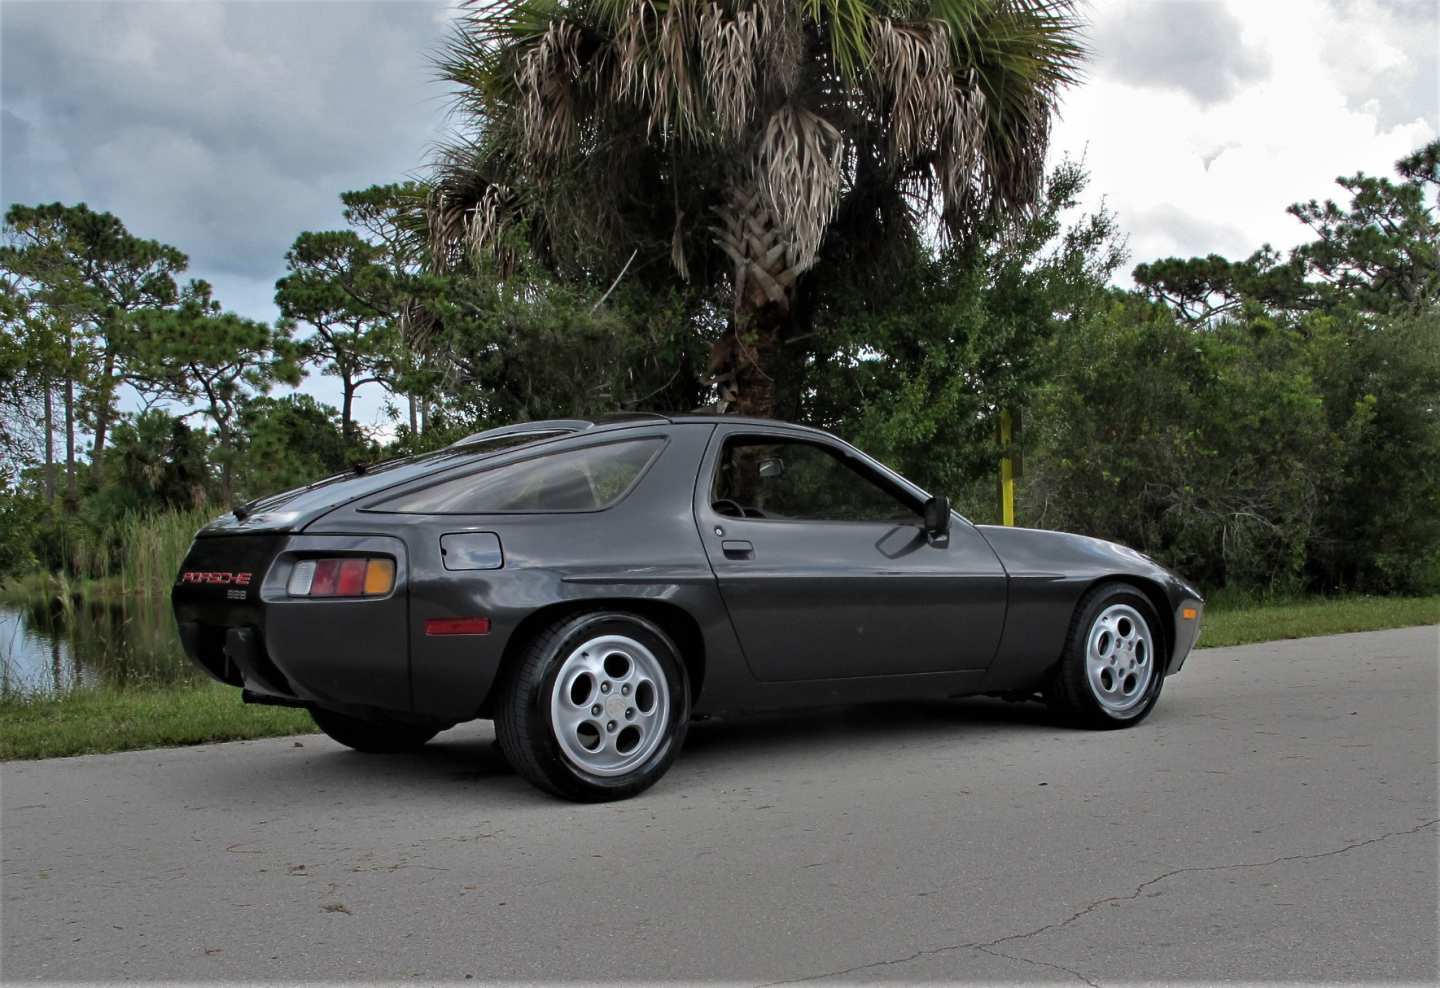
<point>738,549</point>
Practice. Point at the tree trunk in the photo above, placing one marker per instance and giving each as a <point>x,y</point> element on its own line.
<point>102,413</point>
<point>756,343</point>
<point>227,462</point>
<point>220,413</point>
<point>743,364</point>
<point>72,498</point>
<point>414,416</point>
<point>347,401</point>
<point>49,442</point>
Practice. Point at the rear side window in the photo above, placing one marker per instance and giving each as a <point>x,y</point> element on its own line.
<point>586,479</point>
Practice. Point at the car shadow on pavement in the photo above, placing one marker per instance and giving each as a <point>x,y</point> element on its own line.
<point>827,732</point>
<point>467,760</point>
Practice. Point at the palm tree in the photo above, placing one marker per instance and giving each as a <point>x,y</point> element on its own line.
<point>721,141</point>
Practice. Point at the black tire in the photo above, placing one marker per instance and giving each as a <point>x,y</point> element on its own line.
<point>372,736</point>
<point>524,726</point>
<point>1070,692</point>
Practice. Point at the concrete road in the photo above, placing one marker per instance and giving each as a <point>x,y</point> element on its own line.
<point>1275,819</point>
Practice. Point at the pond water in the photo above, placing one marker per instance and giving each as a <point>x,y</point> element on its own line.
<point>47,647</point>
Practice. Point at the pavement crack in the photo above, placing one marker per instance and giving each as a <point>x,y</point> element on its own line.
<point>984,946</point>
<point>873,964</point>
<point>1039,963</point>
<point>1140,889</point>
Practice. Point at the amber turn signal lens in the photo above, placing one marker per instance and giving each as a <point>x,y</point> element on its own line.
<point>1189,614</point>
<point>379,576</point>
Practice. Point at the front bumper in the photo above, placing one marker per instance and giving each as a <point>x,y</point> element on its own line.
<point>1189,616</point>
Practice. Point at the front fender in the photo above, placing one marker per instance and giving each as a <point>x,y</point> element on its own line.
<point>1049,572</point>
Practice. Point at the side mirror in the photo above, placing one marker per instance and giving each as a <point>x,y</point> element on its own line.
<point>772,468</point>
<point>937,517</point>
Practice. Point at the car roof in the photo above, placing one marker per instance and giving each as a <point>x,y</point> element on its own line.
<point>522,428</point>
<point>711,418</point>
<point>626,420</point>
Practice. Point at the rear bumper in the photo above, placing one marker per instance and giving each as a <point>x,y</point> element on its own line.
<point>343,654</point>
<point>235,656</point>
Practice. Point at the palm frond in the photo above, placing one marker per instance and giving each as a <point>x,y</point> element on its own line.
<point>546,79</point>
<point>583,106</point>
<point>847,23</point>
<point>728,49</point>
<point>797,165</point>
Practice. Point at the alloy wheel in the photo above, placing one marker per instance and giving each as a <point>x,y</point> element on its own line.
<point>610,705</point>
<point>1119,658</point>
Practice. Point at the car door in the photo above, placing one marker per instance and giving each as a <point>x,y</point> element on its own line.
<point>825,567</point>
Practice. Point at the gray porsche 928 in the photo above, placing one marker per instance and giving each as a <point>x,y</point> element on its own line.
<point>592,586</point>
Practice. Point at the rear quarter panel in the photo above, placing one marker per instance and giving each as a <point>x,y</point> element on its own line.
<point>644,549</point>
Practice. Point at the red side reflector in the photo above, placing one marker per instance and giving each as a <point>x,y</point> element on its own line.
<point>437,627</point>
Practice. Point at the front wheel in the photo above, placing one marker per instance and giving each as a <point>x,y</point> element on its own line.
<point>596,708</point>
<point>1113,665</point>
<point>372,736</point>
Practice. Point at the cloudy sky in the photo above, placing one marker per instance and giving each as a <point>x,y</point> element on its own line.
<point>227,128</point>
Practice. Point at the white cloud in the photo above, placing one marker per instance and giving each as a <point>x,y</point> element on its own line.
<point>1189,176</point>
<point>222,128</point>
<point>1200,49</point>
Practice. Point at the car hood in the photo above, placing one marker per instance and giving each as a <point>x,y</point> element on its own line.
<point>1034,552</point>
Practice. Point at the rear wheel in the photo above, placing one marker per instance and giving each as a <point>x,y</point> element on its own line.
<point>596,707</point>
<point>373,736</point>
<point>1113,666</point>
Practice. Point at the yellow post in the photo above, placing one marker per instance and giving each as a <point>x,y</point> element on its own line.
<point>1007,473</point>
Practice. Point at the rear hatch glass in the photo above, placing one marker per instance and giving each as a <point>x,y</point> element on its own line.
<point>292,509</point>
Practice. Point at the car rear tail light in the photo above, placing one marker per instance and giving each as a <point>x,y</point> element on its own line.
<point>347,576</point>
<point>351,579</point>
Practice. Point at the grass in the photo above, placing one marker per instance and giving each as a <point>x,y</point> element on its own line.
<point>135,555</point>
<point>27,588</point>
<point>1245,623</point>
<point>152,547</point>
<point>89,721</point>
